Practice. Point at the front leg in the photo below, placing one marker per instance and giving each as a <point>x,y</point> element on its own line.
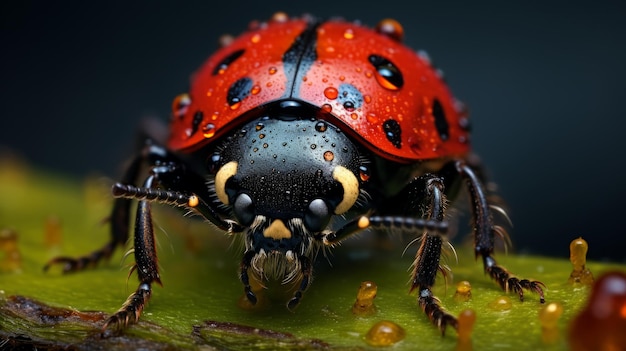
<point>145,265</point>
<point>484,232</point>
<point>430,189</point>
<point>424,195</point>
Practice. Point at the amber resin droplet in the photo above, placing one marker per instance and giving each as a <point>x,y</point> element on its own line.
<point>364,304</point>
<point>549,317</point>
<point>580,275</point>
<point>466,319</point>
<point>12,261</point>
<point>384,333</point>
<point>502,303</point>
<point>601,325</point>
<point>463,291</point>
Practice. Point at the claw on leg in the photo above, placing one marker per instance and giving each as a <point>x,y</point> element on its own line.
<point>437,315</point>
<point>131,310</point>
<point>510,283</point>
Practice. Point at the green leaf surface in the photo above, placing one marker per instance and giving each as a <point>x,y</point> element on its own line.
<point>199,305</point>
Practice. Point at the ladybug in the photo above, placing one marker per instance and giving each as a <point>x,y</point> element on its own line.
<point>295,123</point>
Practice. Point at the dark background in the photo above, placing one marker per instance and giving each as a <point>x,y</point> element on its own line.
<point>545,83</point>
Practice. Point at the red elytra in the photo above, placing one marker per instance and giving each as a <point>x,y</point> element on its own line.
<point>342,80</point>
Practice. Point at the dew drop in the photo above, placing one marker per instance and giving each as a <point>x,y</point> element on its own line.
<point>273,70</point>
<point>261,136</point>
<point>348,34</point>
<point>180,105</point>
<point>331,93</point>
<point>329,156</point>
<point>354,115</point>
<point>259,126</point>
<point>313,146</point>
<point>327,108</point>
<point>208,130</point>
<point>236,104</point>
<point>280,17</point>
<point>364,173</point>
<point>371,118</point>
<point>256,38</point>
<point>255,89</point>
<point>321,126</point>
<point>390,28</point>
<point>265,145</point>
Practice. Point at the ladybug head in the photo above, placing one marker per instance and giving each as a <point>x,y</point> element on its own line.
<point>284,177</point>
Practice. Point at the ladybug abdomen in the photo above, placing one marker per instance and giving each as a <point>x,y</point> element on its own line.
<point>366,82</point>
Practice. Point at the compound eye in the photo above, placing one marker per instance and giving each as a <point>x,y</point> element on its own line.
<point>317,216</point>
<point>244,209</point>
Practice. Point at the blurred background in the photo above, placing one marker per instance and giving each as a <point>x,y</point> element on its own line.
<point>545,84</point>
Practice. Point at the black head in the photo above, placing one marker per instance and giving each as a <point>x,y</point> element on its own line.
<point>284,178</point>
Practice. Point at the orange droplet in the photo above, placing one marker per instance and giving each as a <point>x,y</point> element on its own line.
<point>268,84</point>
<point>384,333</point>
<point>354,115</point>
<point>348,34</point>
<point>391,28</point>
<point>272,70</point>
<point>193,201</point>
<point>601,324</point>
<point>327,108</point>
<point>235,106</point>
<point>215,115</point>
<point>371,118</point>
<point>463,291</point>
<point>329,156</point>
<point>180,105</point>
<point>256,38</point>
<point>255,90</point>
<point>502,303</point>
<point>367,98</point>
<point>331,93</point>
<point>280,17</point>
<point>208,130</point>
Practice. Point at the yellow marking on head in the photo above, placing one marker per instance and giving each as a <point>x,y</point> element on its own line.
<point>363,222</point>
<point>277,230</point>
<point>350,186</point>
<point>228,170</point>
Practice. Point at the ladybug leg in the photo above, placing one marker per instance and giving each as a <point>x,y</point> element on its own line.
<point>246,263</point>
<point>484,231</point>
<point>145,265</point>
<point>424,194</point>
<point>306,269</point>
<point>430,189</point>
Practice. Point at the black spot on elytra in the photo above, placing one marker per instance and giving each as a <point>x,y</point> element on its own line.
<point>387,70</point>
<point>195,123</point>
<point>440,120</point>
<point>393,132</point>
<point>239,90</point>
<point>349,96</point>
<point>227,61</point>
